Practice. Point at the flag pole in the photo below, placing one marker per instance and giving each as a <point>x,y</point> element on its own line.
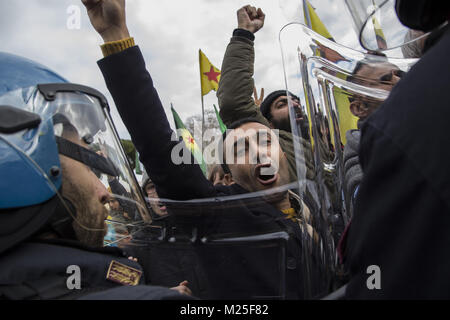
<point>203,123</point>
<point>176,129</point>
<point>306,13</point>
<point>201,95</point>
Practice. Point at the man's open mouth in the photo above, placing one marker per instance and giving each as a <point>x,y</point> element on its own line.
<point>263,177</point>
<point>298,115</point>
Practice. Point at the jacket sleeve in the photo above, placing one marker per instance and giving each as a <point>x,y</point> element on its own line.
<point>236,83</point>
<point>141,110</point>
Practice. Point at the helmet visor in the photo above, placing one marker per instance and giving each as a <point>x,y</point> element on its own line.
<point>98,186</point>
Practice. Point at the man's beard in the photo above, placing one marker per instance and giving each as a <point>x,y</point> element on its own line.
<point>90,237</point>
<point>285,124</point>
<point>90,214</point>
<point>282,124</point>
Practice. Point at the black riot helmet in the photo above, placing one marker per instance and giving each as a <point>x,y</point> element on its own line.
<point>424,15</point>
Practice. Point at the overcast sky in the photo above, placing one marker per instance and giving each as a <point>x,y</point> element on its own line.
<point>169,34</point>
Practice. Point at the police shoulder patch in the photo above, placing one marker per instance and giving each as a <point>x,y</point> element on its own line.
<point>123,274</point>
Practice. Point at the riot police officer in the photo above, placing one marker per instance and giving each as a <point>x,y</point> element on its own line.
<point>58,146</point>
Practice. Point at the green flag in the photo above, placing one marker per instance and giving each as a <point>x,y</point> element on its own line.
<point>130,151</point>
<point>138,164</point>
<point>189,140</point>
<point>222,125</point>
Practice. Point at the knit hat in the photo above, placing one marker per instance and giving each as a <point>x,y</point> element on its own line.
<point>265,105</point>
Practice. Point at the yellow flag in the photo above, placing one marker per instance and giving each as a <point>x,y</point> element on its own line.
<point>347,120</point>
<point>209,75</point>
<point>316,24</point>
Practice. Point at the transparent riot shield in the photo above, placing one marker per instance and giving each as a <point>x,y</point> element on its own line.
<point>242,239</point>
<point>378,27</point>
<point>230,243</point>
<point>227,247</point>
<point>338,88</point>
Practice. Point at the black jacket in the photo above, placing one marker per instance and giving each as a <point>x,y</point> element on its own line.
<point>38,270</point>
<point>142,112</point>
<point>402,212</point>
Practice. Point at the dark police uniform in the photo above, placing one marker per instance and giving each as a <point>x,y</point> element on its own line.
<point>402,211</point>
<point>39,270</point>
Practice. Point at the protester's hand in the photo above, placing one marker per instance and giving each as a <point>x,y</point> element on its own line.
<point>250,18</point>
<point>108,18</point>
<point>101,153</point>
<point>183,289</point>
<point>257,100</point>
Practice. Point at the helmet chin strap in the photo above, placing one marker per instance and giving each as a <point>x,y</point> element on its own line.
<point>86,156</point>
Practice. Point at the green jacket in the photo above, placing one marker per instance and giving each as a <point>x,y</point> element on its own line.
<point>236,102</point>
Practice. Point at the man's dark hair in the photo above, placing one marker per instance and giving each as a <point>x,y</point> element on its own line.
<point>372,56</point>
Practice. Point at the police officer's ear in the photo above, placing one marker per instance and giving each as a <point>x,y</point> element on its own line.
<point>359,109</point>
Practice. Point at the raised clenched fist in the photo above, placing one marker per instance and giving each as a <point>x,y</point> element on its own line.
<point>250,18</point>
<point>108,18</point>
